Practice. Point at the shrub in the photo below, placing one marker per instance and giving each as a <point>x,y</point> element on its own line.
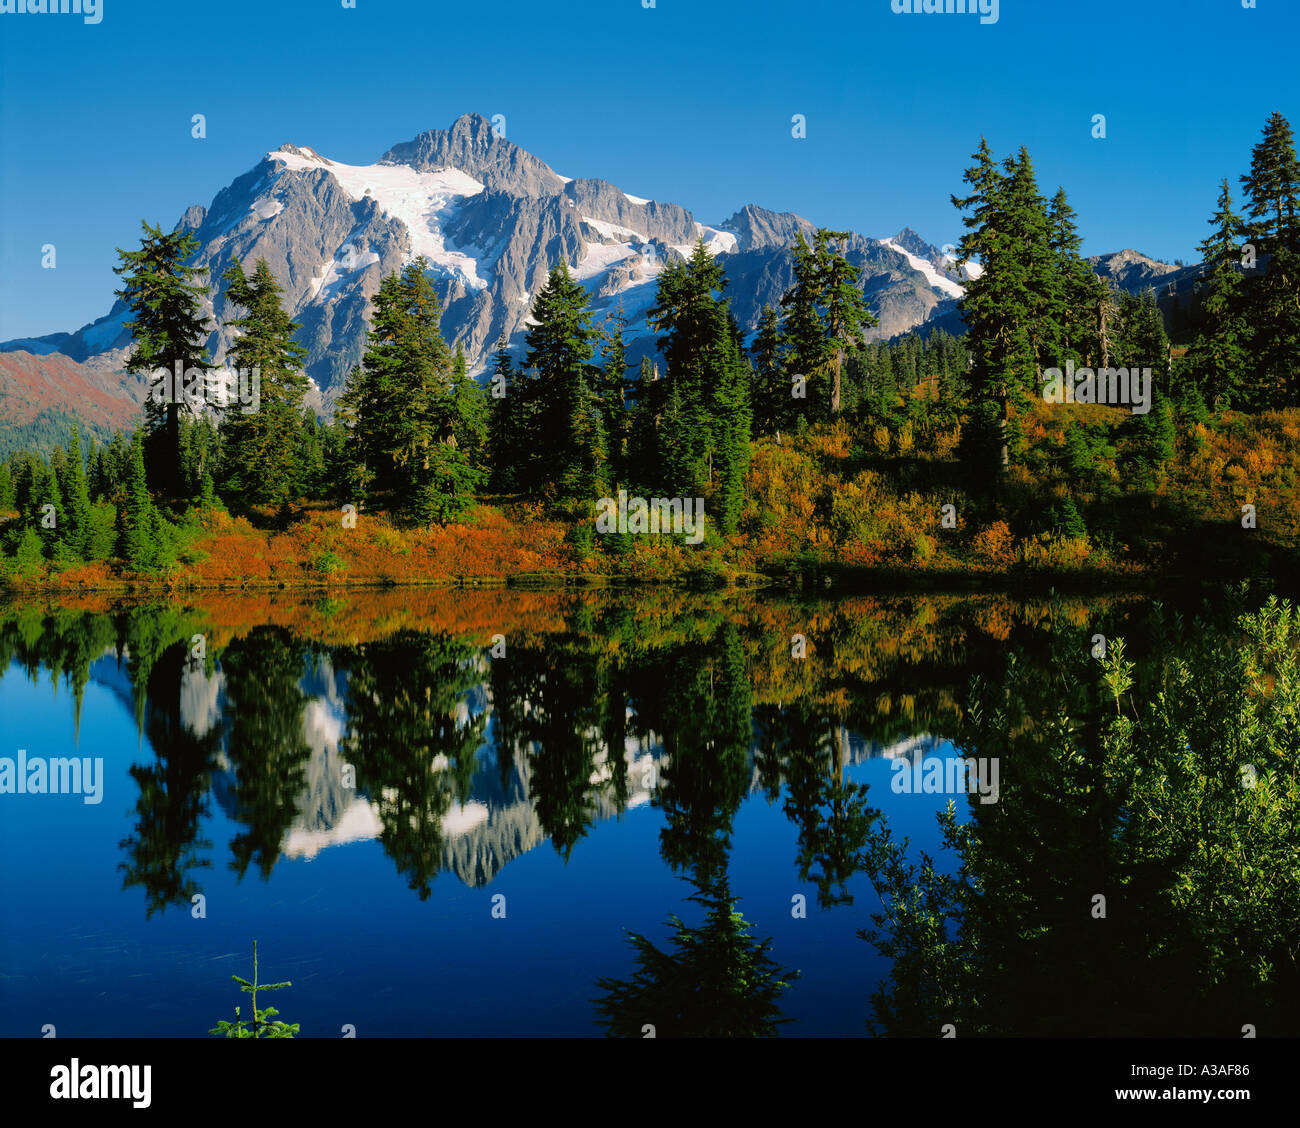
<point>327,563</point>
<point>995,544</point>
<point>581,539</point>
<point>30,556</point>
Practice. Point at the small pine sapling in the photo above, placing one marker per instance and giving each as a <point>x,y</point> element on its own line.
<point>265,1024</point>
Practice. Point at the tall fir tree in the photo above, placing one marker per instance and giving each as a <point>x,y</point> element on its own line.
<point>169,330</point>
<point>612,391</point>
<point>76,494</point>
<point>703,421</point>
<point>1077,289</point>
<point>825,318</point>
<point>999,306</point>
<point>507,425</point>
<point>400,409</point>
<point>136,518</point>
<point>263,448</point>
<point>1273,225</point>
<point>469,412</point>
<point>1042,297</point>
<point>1219,359</point>
<point>847,316</point>
<point>773,406</point>
<point>568,440</point>
<point>805,329</point>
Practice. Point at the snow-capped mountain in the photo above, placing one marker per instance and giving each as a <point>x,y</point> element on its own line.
<point>492,219</point>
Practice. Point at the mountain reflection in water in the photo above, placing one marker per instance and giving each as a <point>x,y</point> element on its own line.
<point>460,733</point>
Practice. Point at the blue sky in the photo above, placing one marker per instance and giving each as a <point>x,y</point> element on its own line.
<point>689,101</point>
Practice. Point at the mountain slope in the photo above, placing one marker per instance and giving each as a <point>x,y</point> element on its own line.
<point>492,219</point>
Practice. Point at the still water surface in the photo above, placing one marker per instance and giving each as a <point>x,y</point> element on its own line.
<point>449,813</point>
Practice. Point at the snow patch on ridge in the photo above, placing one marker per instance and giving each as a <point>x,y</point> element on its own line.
<point>336,270</point>
<point>612,230</point>
<point>937,280</point>
<point>600,257</point>
<point>266,209</point>
<point>422,201</point>
<point>99,336</point>
<point>718,241</point>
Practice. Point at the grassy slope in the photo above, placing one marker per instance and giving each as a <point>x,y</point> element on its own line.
<point>856,506</point>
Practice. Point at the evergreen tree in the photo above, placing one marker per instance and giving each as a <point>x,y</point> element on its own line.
<point>644,420</point>
<point>136,521</point>
<point>262,449</point>
<point>1141,340</point>
<point>1219,358</point>
<point>1011,309</point>
<point>1043,300</point>
<point>732,421</point>
<point>469,411</point>
<point>826,316</point>
<point>313,472</point>
<point>40,502</point>
<point>1077,289</point>
<point>76,494</point>
<point>400,409</point>
<point>506,425</point>
<point>847,315</point>
<point>169,331</point>
<point>805,327</point>
<point>587,474</point>
<point>703,427</point>
<point>1273,209</point>
<point>773,404</point>
<point>567,437</point>
<point>993,309</point>
<point>611,392</point>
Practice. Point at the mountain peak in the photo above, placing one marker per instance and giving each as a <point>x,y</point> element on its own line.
<point>476,149</point>
<point>909,240</point>
<point>757,228</point>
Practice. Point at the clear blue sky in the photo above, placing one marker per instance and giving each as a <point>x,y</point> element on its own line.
<point>689,101</point>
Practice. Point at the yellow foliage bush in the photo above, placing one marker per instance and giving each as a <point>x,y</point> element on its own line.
<point>1052,551</point>
<point>945,442</point>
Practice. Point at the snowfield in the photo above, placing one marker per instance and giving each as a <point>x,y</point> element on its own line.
<point>421,201</point>
<point>937,280</point>
<point>612,230</point>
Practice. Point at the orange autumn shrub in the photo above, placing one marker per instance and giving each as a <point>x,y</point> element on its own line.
<point>994,545</point>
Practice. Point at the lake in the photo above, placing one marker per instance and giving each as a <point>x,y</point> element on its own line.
<point>502,812</point>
